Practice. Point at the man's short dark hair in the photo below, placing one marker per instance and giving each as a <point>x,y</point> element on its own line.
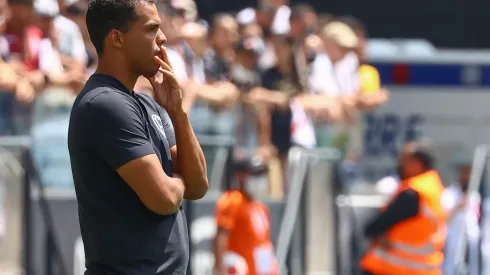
<point>422,151</point>
<point>353,22</point>
<point>105,15</point>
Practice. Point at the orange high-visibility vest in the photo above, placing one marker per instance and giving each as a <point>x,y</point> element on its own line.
<point>414,245</point>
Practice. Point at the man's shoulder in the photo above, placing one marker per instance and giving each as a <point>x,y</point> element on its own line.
<point>98,93</point>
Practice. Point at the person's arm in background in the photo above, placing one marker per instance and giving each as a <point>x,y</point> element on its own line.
<point>220,94</point>
<point>214,93</point>
<point>404,206</point>
<point>371,94</point>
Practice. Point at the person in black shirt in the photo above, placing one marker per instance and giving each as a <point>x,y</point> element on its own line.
<point>279,84</point>
<point>129,179</point>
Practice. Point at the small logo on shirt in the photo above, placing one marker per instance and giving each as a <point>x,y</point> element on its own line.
<point>158,124</point>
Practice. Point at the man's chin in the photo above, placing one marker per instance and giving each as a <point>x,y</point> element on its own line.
<point>150,73</point>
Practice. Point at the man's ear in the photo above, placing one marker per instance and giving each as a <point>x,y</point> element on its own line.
<point>116,38</point>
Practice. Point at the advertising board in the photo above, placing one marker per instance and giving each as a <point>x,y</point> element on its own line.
<point>455,119</point>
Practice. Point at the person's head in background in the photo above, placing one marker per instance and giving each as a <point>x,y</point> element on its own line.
<point>415,158</point>
<point>243,170</point>
<point>464,173</point>
<point>361,33</point>
<point>223,34</point>
<point>272,5</point>
<point>76,12</point>
<point>247,52</point>
<point>323,20</point>
<point>338,39</point>
<point>46,11</point>
<point>127,37</point>
<point>243,71</point>
<point>5,15</point>
<point>196,35</point>
<point>22,14</point>
<point>251,30</point>
<point>173,15</point>
<point>265,13</point>
<point>302,21</point>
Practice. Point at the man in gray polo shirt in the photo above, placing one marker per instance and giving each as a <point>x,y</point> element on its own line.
<point>129,179</point>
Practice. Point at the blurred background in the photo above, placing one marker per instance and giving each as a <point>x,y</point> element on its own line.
<point>324,93</point>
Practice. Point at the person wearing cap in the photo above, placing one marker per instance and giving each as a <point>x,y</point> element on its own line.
<point>243,245</point>
<point>407,236</point>
<point>457,198</point>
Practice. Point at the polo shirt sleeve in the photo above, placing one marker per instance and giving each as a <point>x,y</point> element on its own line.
<point>116,129</point>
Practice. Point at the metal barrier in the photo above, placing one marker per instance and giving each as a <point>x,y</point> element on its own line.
<point>311,197</point>
<point>479,166</point>
<point>13,215</point>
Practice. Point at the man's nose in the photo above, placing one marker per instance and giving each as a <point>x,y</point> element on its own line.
<point>161,38</point>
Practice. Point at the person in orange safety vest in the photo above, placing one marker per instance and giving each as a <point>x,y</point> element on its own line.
<point>242,245</point>
<point>408,235</point>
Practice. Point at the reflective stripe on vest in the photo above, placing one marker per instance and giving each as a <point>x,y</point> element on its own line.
<point>425,250</point>
<point>395,260</point>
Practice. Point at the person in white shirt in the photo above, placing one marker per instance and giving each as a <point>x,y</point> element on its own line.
<point>327,81</point>
<point>455,198</point>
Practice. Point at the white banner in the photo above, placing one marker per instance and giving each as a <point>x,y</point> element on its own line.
<point>455,119</point>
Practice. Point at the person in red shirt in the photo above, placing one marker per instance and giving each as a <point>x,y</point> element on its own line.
<point>242,244</point>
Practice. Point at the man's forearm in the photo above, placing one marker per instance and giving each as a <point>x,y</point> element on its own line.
<point>190,158</point>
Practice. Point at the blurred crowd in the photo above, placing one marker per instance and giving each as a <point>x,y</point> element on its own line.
<point>270,77</point>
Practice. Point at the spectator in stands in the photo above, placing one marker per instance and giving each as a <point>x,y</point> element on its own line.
<point>371,95</point>
<point>327,80</point>
<point>271,15</point>
<point>252,126</point>
<point>66,75</point>
<point>76,12</point>
<point>302,22</point>
<point>242,244</point>
<point>22,55</point>
<point>211,98</point>
<point>223,37</point>
<point>251,30</point>
<point>70,42</point>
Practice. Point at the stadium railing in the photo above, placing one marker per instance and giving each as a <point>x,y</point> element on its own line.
<point>306,238</point>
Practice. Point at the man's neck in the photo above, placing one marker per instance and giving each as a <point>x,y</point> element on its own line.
<point>127,78</point>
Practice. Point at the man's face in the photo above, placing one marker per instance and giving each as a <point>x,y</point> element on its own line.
<point>5,14</point>
<point>142,42</point>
